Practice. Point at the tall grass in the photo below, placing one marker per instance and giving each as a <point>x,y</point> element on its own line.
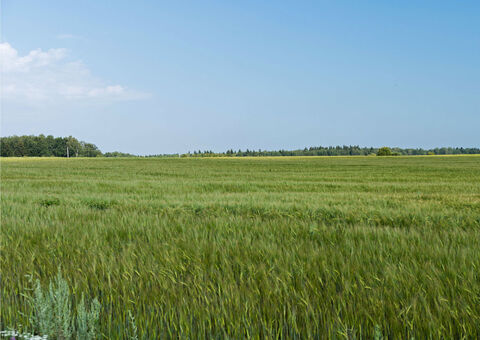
<point>264,248</point>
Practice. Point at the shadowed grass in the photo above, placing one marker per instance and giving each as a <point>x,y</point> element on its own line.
<point>46,202</point>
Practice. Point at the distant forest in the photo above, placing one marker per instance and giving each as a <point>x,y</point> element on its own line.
<point>49,146</point>
<point>346,150</point>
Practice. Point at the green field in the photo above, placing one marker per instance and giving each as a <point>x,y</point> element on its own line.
<point>314,247</point>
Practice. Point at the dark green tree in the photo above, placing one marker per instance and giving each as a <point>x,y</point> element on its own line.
<point>385,151</point>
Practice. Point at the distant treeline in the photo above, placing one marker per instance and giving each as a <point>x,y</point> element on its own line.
<point>47,146</point>
<point>350,150</point>
<point>118,154</point>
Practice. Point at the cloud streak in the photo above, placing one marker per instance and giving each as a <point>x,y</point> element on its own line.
<point>45,76</point>
<point>67,36</point>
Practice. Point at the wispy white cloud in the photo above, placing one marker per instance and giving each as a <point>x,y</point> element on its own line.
<point>67,36</point>
<point>41,76</point>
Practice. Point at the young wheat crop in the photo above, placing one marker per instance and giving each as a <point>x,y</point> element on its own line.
<point>259,247</point>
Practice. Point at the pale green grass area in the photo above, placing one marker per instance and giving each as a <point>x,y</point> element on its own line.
<point>306,247</point>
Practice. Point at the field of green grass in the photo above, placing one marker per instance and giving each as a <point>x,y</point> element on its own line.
<point>317,247</point>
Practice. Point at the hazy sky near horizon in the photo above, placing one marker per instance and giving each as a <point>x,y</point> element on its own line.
<point>151,77</point>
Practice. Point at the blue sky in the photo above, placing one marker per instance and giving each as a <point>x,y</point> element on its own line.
<point>153,77</point>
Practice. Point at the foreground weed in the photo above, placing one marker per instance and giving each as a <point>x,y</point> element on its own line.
<point>377,333</point>
<point>87,319</point>
<point>53,313</point>
<point>133,326</point>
